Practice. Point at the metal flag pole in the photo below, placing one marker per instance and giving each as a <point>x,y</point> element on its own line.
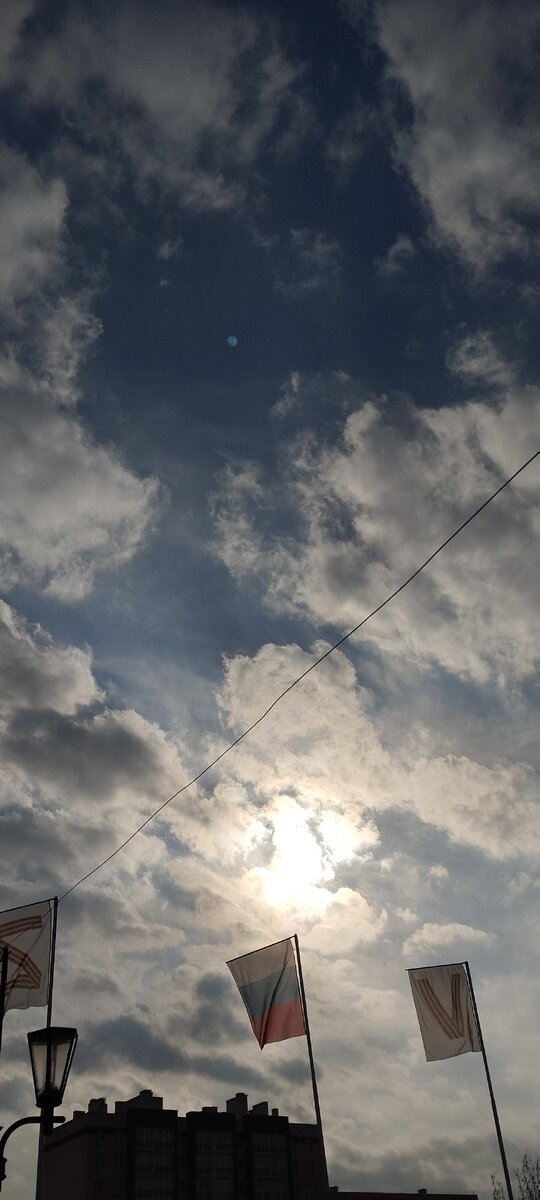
<point>52,952</point>
<point>311,1061</point>
<point>490,1086</point>
<point>3,988</point>
<point>51,960</point>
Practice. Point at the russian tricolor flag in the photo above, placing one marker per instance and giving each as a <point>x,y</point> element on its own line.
<point>268,983</point>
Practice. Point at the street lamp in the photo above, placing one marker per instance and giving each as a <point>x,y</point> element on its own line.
<point>51,1055</point>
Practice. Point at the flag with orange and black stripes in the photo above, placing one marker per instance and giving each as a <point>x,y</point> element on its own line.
<point>26,932</point>
<point>445,1012</point>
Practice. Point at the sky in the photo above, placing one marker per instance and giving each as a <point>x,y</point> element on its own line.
<point>351,191</point>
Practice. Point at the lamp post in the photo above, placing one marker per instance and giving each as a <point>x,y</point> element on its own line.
<point>51,1055</point>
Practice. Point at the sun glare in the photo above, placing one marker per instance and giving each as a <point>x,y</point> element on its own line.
<point>307,850</point>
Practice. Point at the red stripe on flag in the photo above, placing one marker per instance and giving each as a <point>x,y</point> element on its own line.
<point>282,1021</point>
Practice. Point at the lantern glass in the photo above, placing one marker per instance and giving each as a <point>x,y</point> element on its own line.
<point>51,1055</point>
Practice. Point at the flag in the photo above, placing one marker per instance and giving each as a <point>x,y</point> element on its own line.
<point>268,984</point>
<point>27,934</point>
<point>444,1009</point>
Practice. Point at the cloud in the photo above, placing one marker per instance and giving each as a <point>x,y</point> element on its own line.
<point>38,674</point>
<point>495,806</point>
<point>14,13</point>
<point>437,937</point>
<point>301,393</point>
<point>289,397</point>
<point>170,92</point>
<point>66,332</point>
<point>294,808</point>
<point>67,754</point>
<point>128,1039</point>
<point>397,257</point>
<point>348,140</point>
<point>31,223</point>
<point>468,73</point>
<point>170,248</point>
<point>306,261</point>
<point>476,359</point>
<point>438,872</point>
<point>317,810</point>
<point>366,509</point>
<point>69,507</point>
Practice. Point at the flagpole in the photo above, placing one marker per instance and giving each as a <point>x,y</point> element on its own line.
<point>51,960</point>
<point>490,1086</point>
<point>3,988</point>
<point>52,954</point>
<point>311,1061</point>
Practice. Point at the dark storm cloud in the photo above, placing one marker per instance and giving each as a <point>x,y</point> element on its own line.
<point>130,1041</point>
<point>36,673</point>
<point>208,1022</point>
<point>433,1165</point>
<point>88,757</point>
<point>92,983</point>
<point>14,1090</point>
<point>215,1014</point>
<point>297,1071</point>
<point>213,988</point>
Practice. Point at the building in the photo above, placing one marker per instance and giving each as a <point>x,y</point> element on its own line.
<point>337,1194</point>
<point>142,1151</point>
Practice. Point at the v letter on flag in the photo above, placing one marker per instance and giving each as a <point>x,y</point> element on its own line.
<point>27,934</point>
<point>444,1009</point>
<point>268,984</point>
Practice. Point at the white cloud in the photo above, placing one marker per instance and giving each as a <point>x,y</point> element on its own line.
<point>31,220</point>
<point>67,330</point>
<point>438,872</point>
<point>369,509</point>
<point>289,397</point>
<point>69,507</point>
<point>438,937</point>
<point>495,807</point>
<point>315,803</point>
<point>467,71</point>
<point>477,361</point>
<point>174,83</point>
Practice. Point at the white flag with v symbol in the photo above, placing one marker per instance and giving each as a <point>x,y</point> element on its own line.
<point>444,1009</point>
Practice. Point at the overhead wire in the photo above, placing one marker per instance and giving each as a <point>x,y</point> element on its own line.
<point>316,663</point>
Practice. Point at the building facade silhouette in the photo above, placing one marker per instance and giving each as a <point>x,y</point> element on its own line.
<point>141,1151</point>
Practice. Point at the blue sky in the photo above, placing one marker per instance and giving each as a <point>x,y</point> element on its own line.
<point>352,193</point>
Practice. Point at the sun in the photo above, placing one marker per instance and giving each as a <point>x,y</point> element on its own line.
<point>308,846</point>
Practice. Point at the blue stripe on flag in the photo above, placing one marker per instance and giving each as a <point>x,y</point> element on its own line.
<point>259,995</point>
